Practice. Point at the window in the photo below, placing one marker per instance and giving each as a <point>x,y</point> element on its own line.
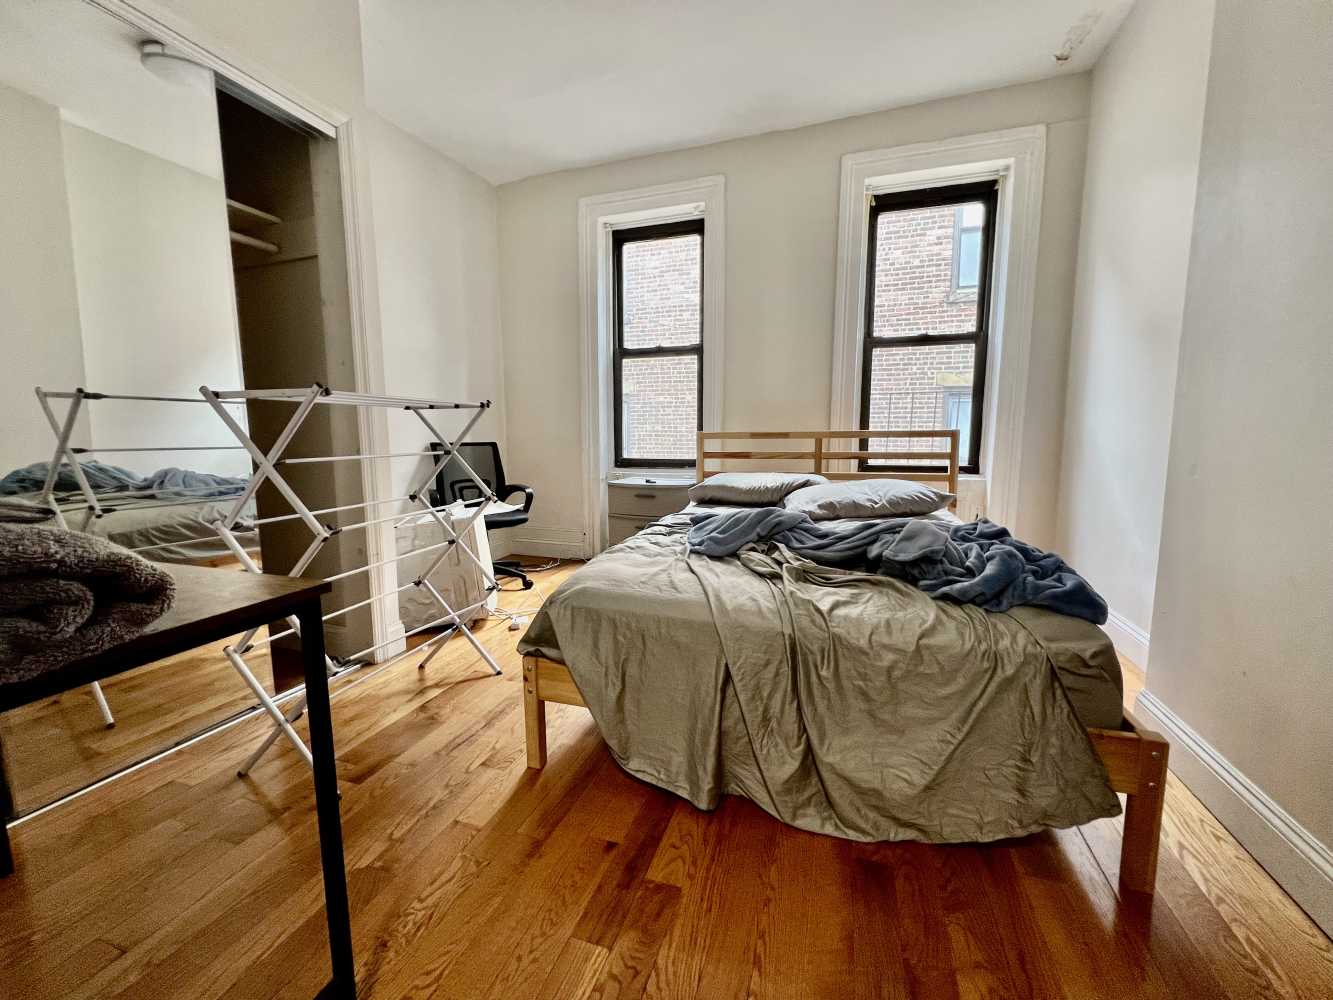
<point>658,349</point>
<point>927,315</point>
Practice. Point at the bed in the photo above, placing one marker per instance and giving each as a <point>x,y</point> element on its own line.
<point>1032,762</point>
<point>164,517</point>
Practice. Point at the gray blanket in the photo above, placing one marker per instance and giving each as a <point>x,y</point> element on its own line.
<point>978,563</point>
<point>841,702</point>
<point>164,484</point>
<point>65,595</point>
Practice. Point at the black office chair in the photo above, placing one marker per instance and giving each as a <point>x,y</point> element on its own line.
<point>452,484</point>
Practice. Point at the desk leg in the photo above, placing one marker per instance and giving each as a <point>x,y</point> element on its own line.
<point>6,814</point>
<point>343,986</point>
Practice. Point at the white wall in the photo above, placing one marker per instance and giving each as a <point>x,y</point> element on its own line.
<point>435,240</point>
<point>782,220</point>
<point>39,311</point>
<point>1138,205</point>
<point>156,302</point>
<point>1242,632</point>
<point>310,50</point>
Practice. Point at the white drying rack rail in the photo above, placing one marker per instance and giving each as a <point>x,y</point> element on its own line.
<point>89,502</point>
<point>267,466</point>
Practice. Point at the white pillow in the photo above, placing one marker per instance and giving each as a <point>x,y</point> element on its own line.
<point>751,489</point>
<point>866,498</point>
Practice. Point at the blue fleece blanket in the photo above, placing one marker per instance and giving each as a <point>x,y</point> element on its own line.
<point>164,484</point>
<point>978,563</point>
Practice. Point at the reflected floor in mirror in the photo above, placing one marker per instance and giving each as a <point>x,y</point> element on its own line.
<point>471,876</point>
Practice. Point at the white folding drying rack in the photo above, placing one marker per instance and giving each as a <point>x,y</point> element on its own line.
<point>267,466</point>
<point>92,507</point>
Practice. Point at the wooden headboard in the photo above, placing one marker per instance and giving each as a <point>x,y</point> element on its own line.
<point>819,454</point>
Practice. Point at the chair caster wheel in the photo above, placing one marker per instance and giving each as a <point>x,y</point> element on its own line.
<point>527,584</point>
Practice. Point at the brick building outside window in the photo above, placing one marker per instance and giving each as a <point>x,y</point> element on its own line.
<point>658,359</point>
<point>927,316</point>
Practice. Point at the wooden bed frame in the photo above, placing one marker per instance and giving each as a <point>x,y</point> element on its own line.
<point>1135,757</point>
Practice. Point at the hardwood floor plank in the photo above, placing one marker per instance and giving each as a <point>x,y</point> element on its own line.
<point>1179,910</point>
<point>513,961</point>
<point>677,860</point>
<point>602,919</point>
<point>922,932</point>
<point>1031,966</point>
<point>805,941</point>
<point>709,950</point>
<point>1295,955</point>
<point>879,971</point>
<point>576,970</point>
<point>649,916</point>
<point>976,941</point>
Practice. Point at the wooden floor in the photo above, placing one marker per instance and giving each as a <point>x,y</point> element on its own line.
<point>58,745</point>
<point>473,877</point>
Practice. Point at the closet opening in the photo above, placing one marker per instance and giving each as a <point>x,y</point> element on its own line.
<point>284,209</point>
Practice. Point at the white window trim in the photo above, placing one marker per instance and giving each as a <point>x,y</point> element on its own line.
<point>1017,158</point>
<point>599,216</point>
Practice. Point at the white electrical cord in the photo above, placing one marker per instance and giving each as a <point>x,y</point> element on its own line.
<point>517,619</point>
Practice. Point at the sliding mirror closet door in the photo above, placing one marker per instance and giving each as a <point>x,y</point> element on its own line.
<point>117,276</point>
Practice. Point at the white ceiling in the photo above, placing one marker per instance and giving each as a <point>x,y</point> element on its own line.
<point>512,88</point>
<point>86,63</point>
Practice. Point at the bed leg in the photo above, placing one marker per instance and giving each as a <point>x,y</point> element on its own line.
<point>534,715</point>
<point>1143,818</point>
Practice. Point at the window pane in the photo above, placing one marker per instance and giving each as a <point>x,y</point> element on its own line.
<point>660,298</point>
<point>969,258</point>
<point>915,272</point>
<point>660,407</point>
<point>921,387</point>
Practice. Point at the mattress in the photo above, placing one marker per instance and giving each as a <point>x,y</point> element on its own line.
<point>163,530</point>
<point>1091,680</point>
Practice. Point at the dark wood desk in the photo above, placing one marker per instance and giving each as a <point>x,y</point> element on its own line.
<point>212,604</point>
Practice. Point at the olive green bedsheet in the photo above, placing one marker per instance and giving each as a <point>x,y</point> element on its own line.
<point>840,702</point>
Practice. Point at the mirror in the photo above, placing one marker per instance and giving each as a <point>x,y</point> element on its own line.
<point>120,268</point>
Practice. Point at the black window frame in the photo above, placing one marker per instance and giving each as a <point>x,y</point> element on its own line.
<point>988,193</point>
<point>619,352</point>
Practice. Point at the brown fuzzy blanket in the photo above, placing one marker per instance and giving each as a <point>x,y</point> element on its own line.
<point>66,595</point>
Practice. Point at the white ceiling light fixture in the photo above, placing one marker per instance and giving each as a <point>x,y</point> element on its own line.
<point>175,69</point>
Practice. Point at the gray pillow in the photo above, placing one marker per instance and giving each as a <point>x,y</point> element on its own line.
<point>867,498</point>
<point>752,489</point>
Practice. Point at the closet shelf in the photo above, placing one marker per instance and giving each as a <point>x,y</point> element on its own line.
<point>253,243</point>
<point>241,216</point>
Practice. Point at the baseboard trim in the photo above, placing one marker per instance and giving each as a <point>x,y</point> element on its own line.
<point>1296,859</point>
<point>1129,640</point>
<point>553,543</point>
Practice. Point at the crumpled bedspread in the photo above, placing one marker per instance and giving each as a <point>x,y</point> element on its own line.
<point>164,484</point>
<point>845,703</point>
<point>978,563</point>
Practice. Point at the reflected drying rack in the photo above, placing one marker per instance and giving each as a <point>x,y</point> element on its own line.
<point>267,467</point>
